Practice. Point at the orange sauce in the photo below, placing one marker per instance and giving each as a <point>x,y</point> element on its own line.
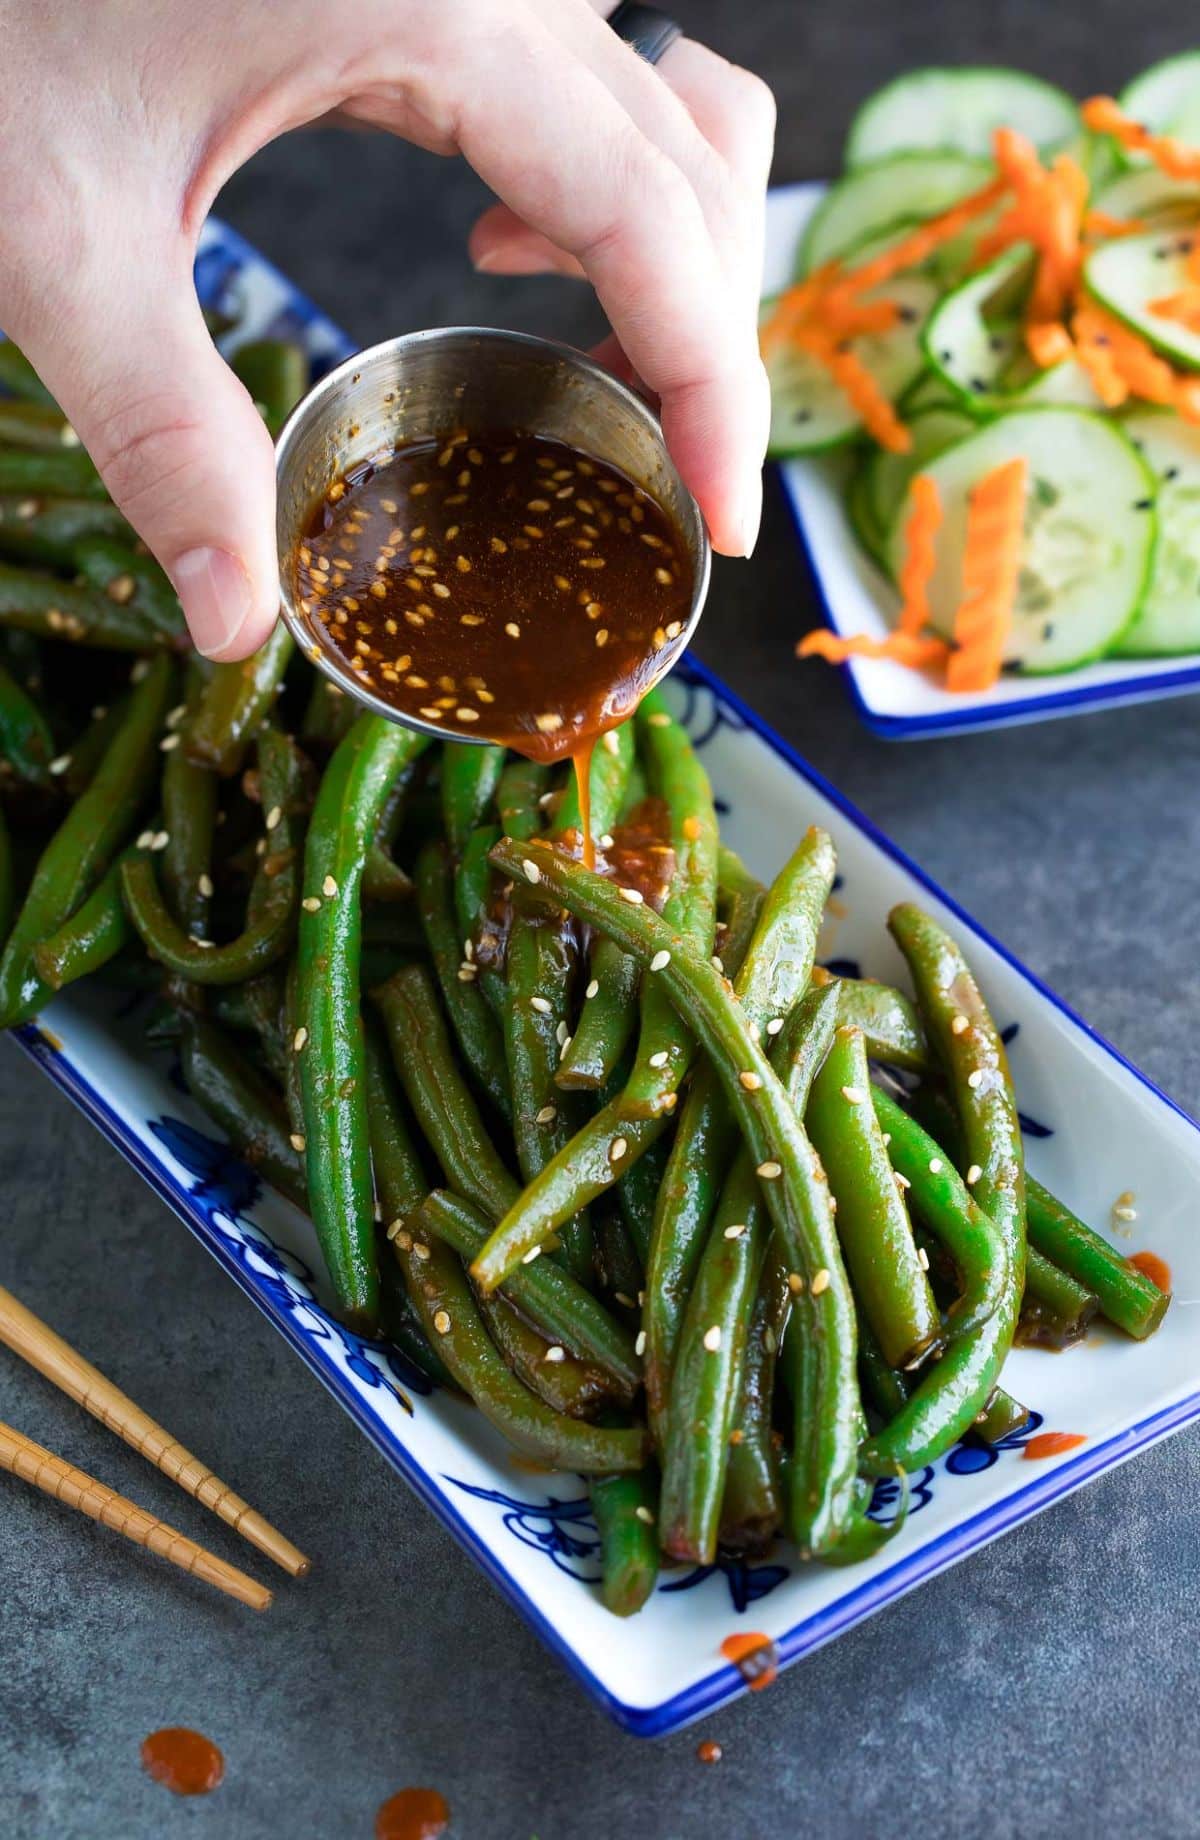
<point>755,1657</point>
<point>413,1814</point>
<point>1154,1268</point>
<point>1052,1444</point>
<point>501,586</point>
<point>709,1751</point>
<point>183,1761</point>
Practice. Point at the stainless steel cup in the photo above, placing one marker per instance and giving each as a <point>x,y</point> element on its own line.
<point>426,385</point>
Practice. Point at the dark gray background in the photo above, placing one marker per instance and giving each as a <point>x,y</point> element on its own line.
<point>1045,1684</point>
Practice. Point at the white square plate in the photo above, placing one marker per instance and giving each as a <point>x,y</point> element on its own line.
<point>1097,1128</point>
<point>896,703</point>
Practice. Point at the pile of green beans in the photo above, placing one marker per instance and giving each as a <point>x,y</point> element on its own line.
<point>676,1208</point>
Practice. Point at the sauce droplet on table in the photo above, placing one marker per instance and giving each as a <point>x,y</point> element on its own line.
<point>755,1657</point>
<point>413,1814</point>
<point>1052,1444</point>
<point>183,1761</point>
<point>709,1751</point>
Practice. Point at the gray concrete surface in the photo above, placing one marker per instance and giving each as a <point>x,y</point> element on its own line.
<point>1047,1684</point>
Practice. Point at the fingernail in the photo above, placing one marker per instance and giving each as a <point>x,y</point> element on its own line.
<point>750,516</point>
<point>215,591</point>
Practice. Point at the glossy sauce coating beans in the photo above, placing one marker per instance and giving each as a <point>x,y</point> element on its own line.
<point>505,587</point>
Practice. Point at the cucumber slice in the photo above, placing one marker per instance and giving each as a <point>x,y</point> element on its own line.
<point>1169,620</point>
<point>1150,195</point>
<point>1089,533</point>
<point>889,475</point>
<point>809,413</point>
<point>876,198</point>
<point>958,111</point>
<point>930,391</point>
<point>862,517</point>
<point>1126,275</point>
<point>974,344</point>
<point>1166,98</point>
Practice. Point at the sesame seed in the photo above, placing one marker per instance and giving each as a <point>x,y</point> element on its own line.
<point>297,1141</point>
<point>674,628</point>
<point>513,630</point>
<point>664,576</point>
<point>617,1149</point>
<point>530,871</point>
<point>973,1175</point>
<point>329,887</point>
<point>632,895</point>
<point>775,1025</point>
<point>901,1181</point>
<point>974,1079</point>
<point>660,961</point>
<point>769,1172</point>
<point>959,1025</point>
<point>853,1095</point>
<point>547,1115</point>
<point>606,842</point>
<point>273,817</point>
<point>206,945</point>
<point>936,1165</point>
<point>639,1347</point>
<point>168,742</point>
<point>602,636</point>
<point>441,1322</point>
<point>467,972</point>
<point>527,1258</point>
<point>717,963</point>
<point>821,1282</point>
<point>549,723</point>
<point>555,1354</point>
<point>736,1231</point>
<point>499,546</point>
<point>60,765</point>
<point>160,840</point>
<point>593,609</point>
<point>670,1101</point>
<point>592,989</point>
<point>660,1059</point>
<point>1122,1211</point>
<point>750,1081</point>
<point>311,904</point>
<point>299,1039</point>
<point>561,1034</point>
<point>644,1513</point>
<point>660,719</point>
<point>922,1258</point>
<point>539,1004</point>
<point>465,714</point>
<point>205,885</point>
<point>712,1338</point>
<point>610,743</point>
<point>146,840</point>
<point>441,590</point>
<point>463,564</point>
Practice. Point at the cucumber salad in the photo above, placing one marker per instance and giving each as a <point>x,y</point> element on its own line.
<point>995,319</point>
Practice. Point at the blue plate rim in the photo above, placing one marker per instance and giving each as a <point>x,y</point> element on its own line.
<point>811,1632</point>
<point>1172,680</point>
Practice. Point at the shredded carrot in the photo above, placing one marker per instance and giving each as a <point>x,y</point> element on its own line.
<point>991,565</point>
<point>1046,212</point>
<point>920,554</point>
<point>919,653</point>
<point>1143,372</point>
<point>917,247</point>
<point>1183,307</point>
<point>1100,225</point>
<point>1193,261</point>
<point>867,399</point>
<point>1048,343</point>
<point>1093,347</point>
<point>1104,116</point>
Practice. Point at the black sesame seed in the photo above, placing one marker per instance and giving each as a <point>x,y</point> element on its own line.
<point>1143,504</point>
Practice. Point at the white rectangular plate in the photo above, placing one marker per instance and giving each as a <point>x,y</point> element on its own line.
<point>896,703</point>
<point>1097,1128</point>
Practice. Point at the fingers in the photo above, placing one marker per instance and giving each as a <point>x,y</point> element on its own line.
<point>178,441</point>
<point>627,187</point>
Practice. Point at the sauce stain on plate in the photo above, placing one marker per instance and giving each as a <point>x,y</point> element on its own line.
<point>413,1814</point>
<point>1154,1268</point>
<point>1052,1444</point>
<point>183,1761</point>
<point>755,1657</point>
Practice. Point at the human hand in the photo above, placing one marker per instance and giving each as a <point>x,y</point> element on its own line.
<point>122,123</point>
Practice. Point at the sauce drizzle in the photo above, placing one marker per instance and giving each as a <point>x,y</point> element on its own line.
<point>412,1814</point>
<point>183,1761</point>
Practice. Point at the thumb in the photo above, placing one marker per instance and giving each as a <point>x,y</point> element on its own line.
<point>181,448</point>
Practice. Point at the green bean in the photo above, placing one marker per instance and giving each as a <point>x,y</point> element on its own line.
<point>437,1093</point>
<point>938,1196</point>
<point>90,938</point>
<point>401,1325</point>
<point>618,1267</point>
<point>885,1389</point>
<point>891,1026</point>
<point>1056,1309</point>
<point>872,1220</point>
<point>956,1388</point>
<point>131,581</point>
<point>383,879</point>
<point>18,375</point>
<point>625,1508</point>
<point>35,424</point>
<point>328,1038</point>
<point>25,739</point>
<point>453,1325</point>
<point>329,716</point>
<point>256,1008</point>
<point>67,471</point>
<point>470,776</point>
<point>1127,1298</point>
<point>227,1086</point>
<point>236,700</point>
<point>519,797</point>
<point>189,801</point>
<point>54,609</point>
<point>89,748</point>
<point>275,372</point>
<point>475,1027</point>
<point>86,841</point>
<point>1000,1418</point>
<point>637,1194</point>
<point>578,1389</point>
<point>828,1504</point>
<point>545,1294</point>
<point>47,530</point>
<point>274,897</point>
<point>7,888</point>
<point>710,1356</point>
<point>752,1505</point>
<point>772,977</point>
<point>473,882</point>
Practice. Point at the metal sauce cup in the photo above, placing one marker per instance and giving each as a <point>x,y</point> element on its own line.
<point>424,386</point>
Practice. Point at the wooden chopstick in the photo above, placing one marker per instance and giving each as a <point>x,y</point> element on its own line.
<point>22,1457</point>
<point>28,1336</point>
